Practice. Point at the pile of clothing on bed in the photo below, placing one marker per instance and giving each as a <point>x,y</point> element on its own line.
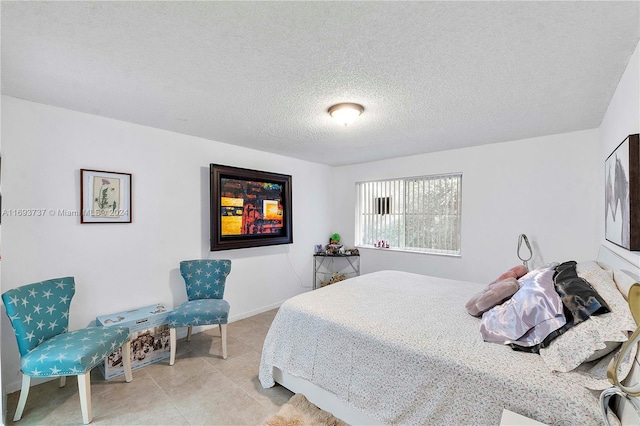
<point>578,304</point>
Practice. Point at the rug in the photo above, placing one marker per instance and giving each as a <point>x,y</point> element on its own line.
<point>300,412</point>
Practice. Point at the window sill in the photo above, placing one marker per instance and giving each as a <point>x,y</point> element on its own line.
<point>408,251</point>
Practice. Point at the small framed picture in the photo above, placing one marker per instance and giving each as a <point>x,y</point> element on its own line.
<point>105,197</point>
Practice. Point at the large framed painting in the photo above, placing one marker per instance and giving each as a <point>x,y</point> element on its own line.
<point>249,208</point>
<point>622,194</point>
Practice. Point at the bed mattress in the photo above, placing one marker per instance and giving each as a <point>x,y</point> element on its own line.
<point>401,348</point>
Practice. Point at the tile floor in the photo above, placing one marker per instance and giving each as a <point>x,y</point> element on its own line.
<point>199,389</point>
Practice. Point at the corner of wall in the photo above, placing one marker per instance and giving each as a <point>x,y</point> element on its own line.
<point>621,119</point>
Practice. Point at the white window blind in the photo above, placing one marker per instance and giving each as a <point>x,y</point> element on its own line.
<point>420,214</point>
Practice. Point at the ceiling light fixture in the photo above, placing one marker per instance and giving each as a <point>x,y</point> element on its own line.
<point>346,113</point>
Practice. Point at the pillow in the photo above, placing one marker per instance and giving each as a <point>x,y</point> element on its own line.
<point>624,282</point>
<point>494,294</point>
<point>515,272</point>
<point>592,337</point>
<point>578,296</point>
<point>593,375</point>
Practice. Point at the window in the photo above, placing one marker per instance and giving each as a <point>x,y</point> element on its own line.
<point>420,214</point>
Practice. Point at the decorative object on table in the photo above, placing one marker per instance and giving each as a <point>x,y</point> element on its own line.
<point>148,334</point>
<point>249,208</point>
<point>622,191</point>
<point>317,248</point>
<point>334,239</point>
<point>333,249</point>
<point>205,280</point>
<point>352,252</point>
<point>39,315</point>
<point>105,197</point>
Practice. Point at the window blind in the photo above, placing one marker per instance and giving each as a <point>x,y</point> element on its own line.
<point>420,214</point>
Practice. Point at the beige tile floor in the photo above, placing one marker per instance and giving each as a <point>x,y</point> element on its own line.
<point>199,389</point>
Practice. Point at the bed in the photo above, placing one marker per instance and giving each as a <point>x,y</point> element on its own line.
<point>398,348</point>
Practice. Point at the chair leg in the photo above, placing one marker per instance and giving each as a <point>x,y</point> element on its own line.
<point>126,361</point>
<point>24,392</point>
<point>189,334</point>
<point>84,388</point>
<point>63,381</point>
<point>172,344</point>
<point>223,333</point>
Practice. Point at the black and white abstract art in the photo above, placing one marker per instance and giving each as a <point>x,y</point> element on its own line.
<point>622,194</point>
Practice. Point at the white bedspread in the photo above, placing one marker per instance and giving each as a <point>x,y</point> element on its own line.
<point>401,348</point>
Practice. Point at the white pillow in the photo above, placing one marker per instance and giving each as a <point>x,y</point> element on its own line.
<point>600,333</point>
<point>624,282</point>
<point>593,375</point>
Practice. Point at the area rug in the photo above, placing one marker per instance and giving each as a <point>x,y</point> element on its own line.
<point>300,412</point>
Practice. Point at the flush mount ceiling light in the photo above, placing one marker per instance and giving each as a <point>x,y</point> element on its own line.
<point>346,113</point>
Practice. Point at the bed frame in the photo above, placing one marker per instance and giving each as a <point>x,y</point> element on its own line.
<point>331,403</point>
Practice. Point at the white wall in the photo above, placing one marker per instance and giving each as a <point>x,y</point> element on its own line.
<point>543,187</point>
<point>621,120</point>
<point>122,266</point>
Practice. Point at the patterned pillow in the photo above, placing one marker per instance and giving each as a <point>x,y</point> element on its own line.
<point>593,337</point>
<point>593,375</point>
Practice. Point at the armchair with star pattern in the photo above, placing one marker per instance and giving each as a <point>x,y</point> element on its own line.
<point>39,315</point>
<point>205,281</point>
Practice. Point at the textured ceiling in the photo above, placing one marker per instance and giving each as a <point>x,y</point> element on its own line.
<point>431,75</point>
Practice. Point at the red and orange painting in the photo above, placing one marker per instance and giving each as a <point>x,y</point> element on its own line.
<point>250,207</point>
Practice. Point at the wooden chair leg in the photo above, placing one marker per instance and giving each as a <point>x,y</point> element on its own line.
<point>223,333</point>
<point>126,361</point>
<point>24,392</point>
<point>84,388</point>
<point>63,381</point>
<point>189,334</point>
<point>172,343</point>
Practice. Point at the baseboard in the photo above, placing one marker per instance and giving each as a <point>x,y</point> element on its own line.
<point>15,386</point>
<point>182,331</point>
<point>255,312</point>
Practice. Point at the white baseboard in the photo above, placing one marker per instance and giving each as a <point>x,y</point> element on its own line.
<point>182,332</point>
<point>15,386</point>
<point>255,311</point>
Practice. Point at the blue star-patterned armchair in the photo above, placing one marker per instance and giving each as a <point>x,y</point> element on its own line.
<point>205,280</point>
<point>39,315</point>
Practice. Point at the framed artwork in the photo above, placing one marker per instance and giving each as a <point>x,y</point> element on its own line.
<point>622,194</point>
<point>249,208</point>
<point>105,197</point>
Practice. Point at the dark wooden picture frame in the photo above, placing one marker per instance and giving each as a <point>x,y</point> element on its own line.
<point>249,208</point>
<point>105,197</point>
<point>622,194</point>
